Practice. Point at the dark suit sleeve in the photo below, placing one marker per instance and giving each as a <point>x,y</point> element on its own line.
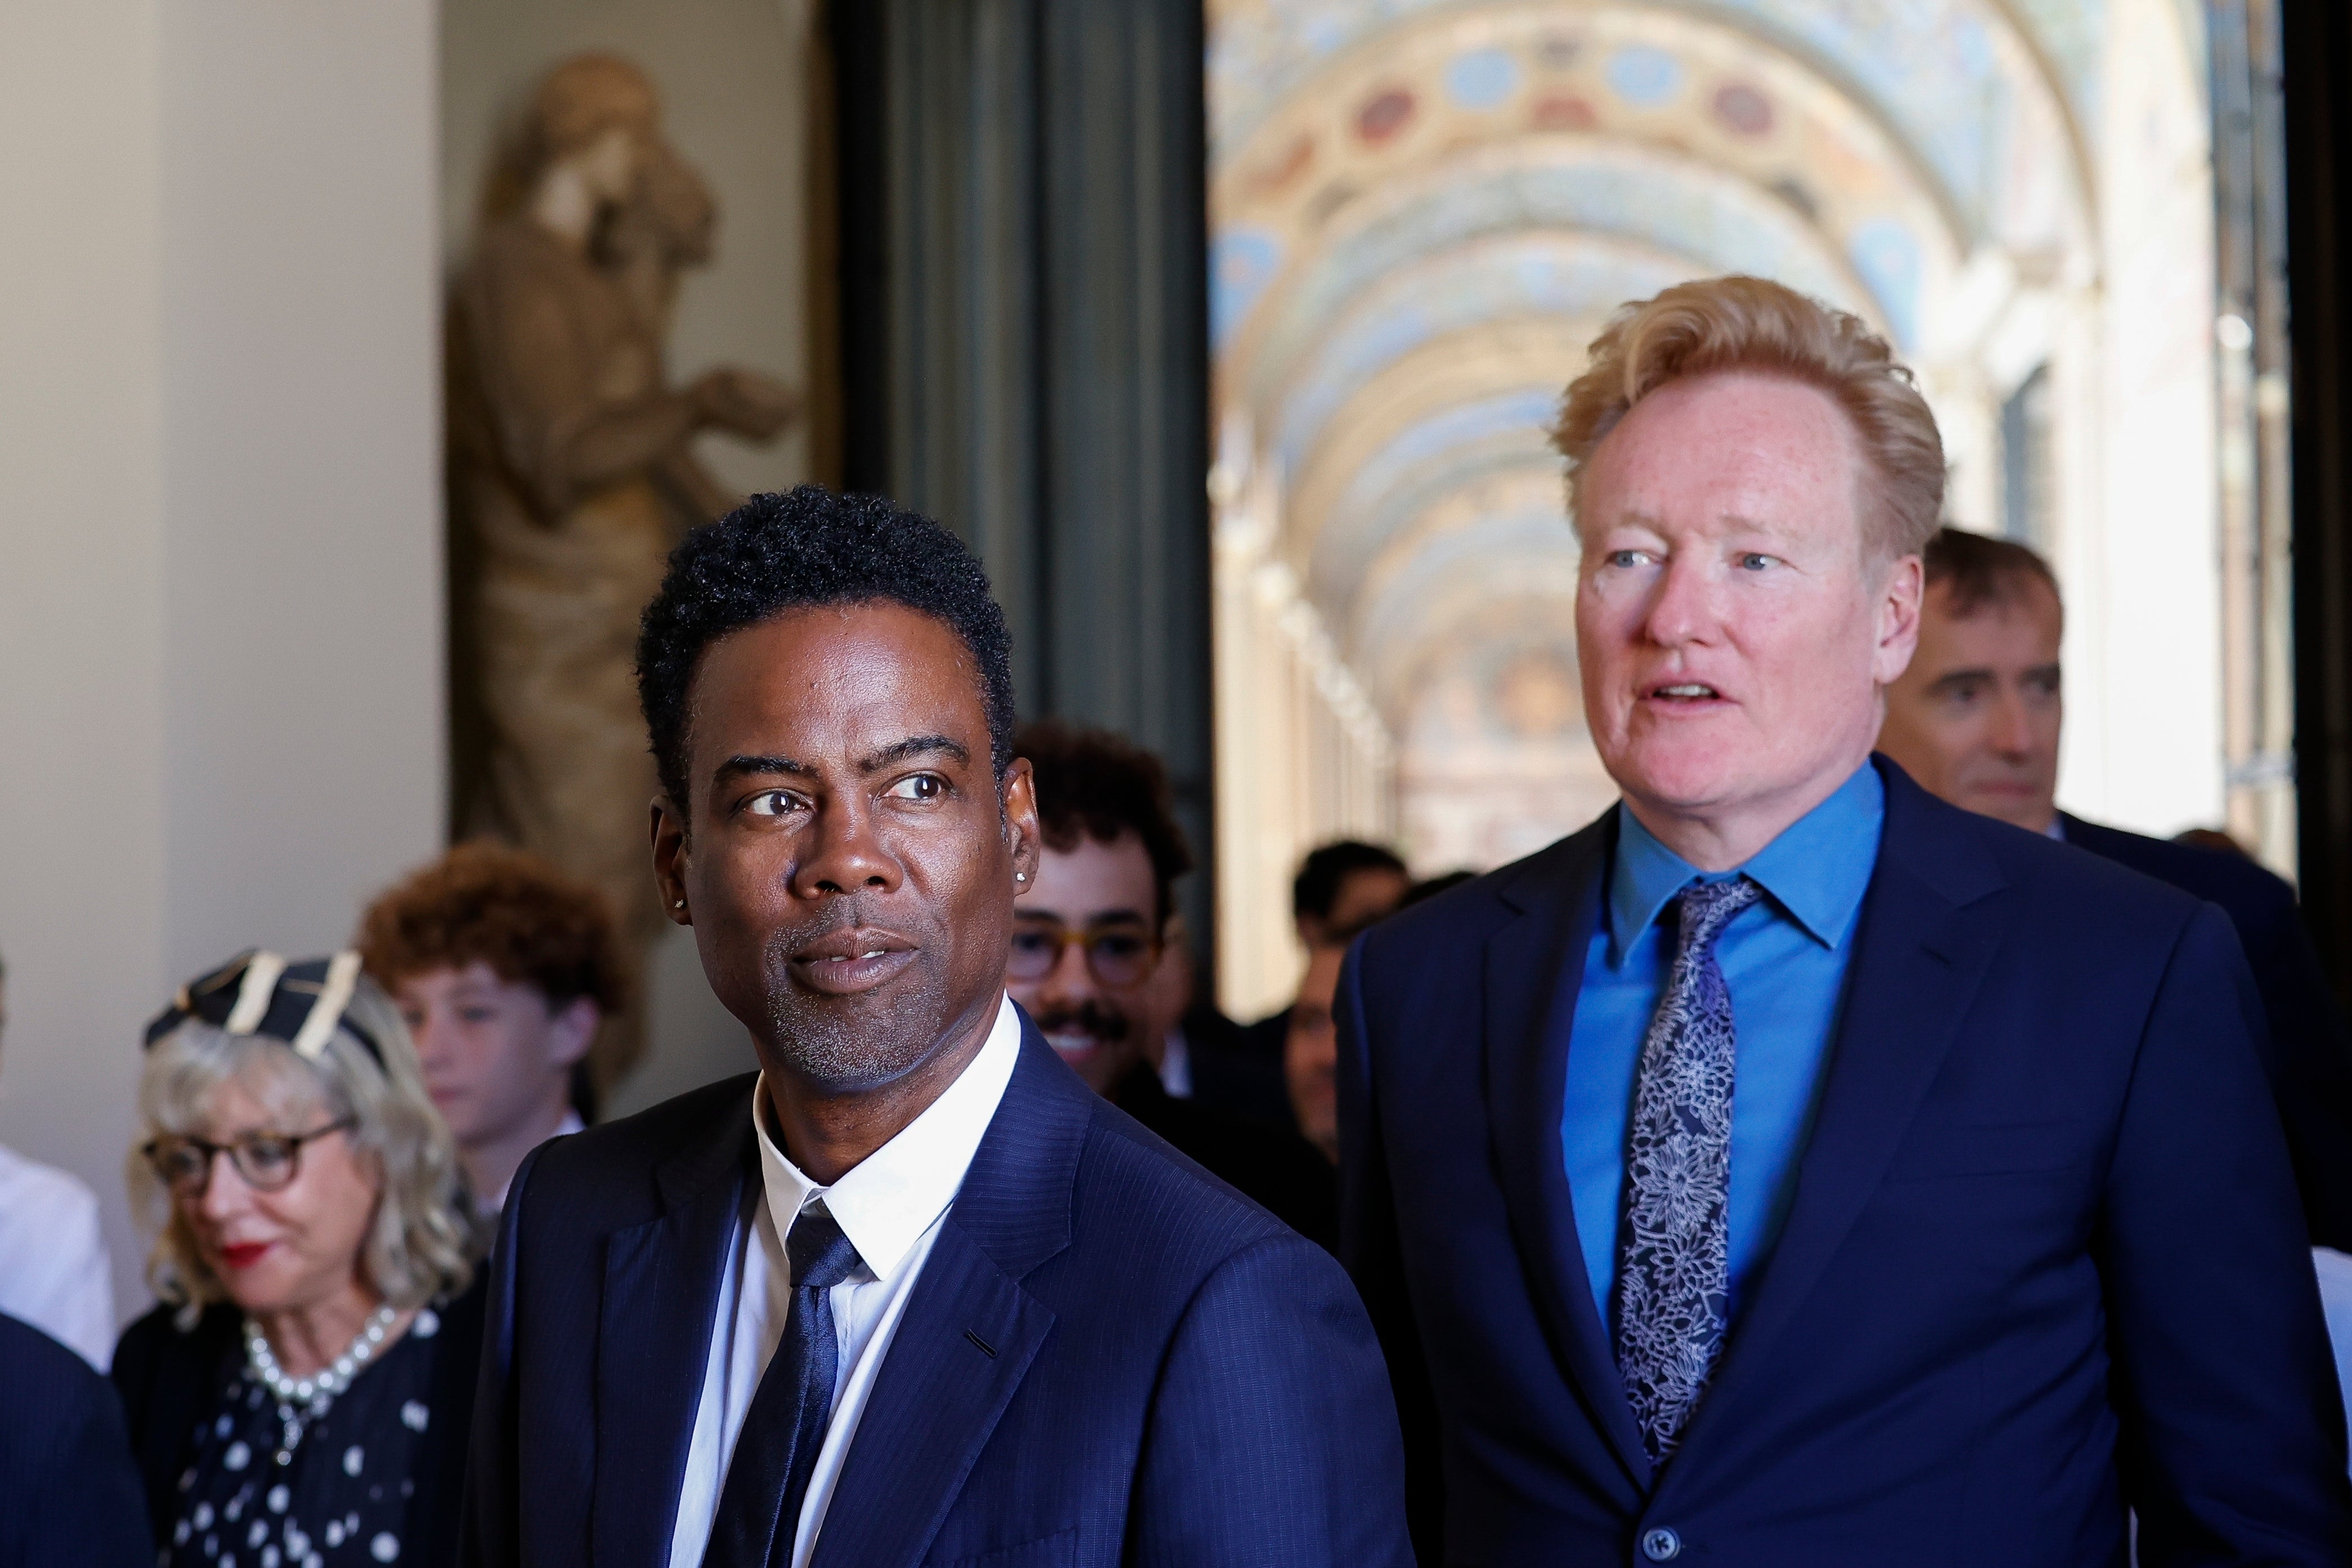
<point>2232,1442</point>
<point>2311,1063</point>
<point>69,1495</point>
<point>1271,1439</point>
<point>1370,1250</point>
<point>488,1532</point>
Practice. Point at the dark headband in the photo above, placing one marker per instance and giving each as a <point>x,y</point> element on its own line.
<point>299,1004</point>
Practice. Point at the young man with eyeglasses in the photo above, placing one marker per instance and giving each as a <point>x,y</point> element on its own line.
<point>1097,960</point>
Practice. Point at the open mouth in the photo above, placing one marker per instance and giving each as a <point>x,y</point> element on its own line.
<point>1684,693</point>
<point>848,962</point>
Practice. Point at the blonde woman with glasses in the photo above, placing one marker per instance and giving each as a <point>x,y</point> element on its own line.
<point>301,1397</point>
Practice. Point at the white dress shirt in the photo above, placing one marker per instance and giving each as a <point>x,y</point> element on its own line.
<point>53,1267</point>
<point>1176,1065</point>
<point>2335,1271</point>
<point>889,1205</point>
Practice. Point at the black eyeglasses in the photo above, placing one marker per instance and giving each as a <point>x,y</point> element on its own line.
<point>1116,954</point>
<point>267,1162</point>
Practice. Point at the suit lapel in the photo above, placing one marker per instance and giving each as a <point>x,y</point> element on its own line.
<point>971,1329</point>
<point>661,1295</point>
<point>1534,969</point>
<point>1920,953</point>
<point>939,1396</point>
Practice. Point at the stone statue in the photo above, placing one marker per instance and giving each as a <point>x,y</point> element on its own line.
<point>572,476</point>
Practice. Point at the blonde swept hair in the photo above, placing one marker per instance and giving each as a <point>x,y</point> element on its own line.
<point>1719,324</point>
<point>419,1248</point>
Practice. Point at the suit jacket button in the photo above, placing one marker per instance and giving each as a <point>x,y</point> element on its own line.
<point>1661,1545</point>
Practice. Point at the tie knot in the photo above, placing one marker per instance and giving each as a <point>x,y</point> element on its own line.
<point>820,1255</point>
<point>1706,907</point>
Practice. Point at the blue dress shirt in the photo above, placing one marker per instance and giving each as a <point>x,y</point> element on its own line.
<point>1784,962</point>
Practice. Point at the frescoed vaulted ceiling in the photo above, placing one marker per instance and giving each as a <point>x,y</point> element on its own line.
<point>1425,209</point>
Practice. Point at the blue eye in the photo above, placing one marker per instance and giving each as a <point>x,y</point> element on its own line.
<point>1752,561</point>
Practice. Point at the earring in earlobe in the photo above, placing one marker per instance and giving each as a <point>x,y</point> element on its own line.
<point>1020,876</point>
<point>679,903</point>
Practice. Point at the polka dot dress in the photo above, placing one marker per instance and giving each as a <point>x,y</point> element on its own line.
<point>338,1494</point>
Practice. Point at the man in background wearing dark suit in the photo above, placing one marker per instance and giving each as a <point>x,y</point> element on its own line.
<point>912,1294</point>
<point>1976,718</point>
<point>1791,1169</point>
<point>1098,963</point>
<point>70,1495</point>
<point>1341,888</point>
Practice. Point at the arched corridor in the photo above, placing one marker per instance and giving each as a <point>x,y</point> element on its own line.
<point>1422,212</point>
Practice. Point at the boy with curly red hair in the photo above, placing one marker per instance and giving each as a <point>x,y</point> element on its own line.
<point>504,969</point>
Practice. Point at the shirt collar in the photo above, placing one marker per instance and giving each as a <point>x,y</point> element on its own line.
<point>885,1202</point>
<point>1816,871</point>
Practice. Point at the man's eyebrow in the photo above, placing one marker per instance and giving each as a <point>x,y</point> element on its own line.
<point>913,746</point>
<point>1955,677</point>
<point>735,767</point>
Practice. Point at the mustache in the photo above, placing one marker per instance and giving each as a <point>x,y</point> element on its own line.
<point>1106,1024</point>
<point>834,915</point>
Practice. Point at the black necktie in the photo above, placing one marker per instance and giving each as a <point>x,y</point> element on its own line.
<point>759,1506</point>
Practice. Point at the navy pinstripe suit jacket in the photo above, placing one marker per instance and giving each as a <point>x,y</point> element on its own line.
<point>2044,1261</point>
<point>69,1494</point>
<point>1111,1357</point>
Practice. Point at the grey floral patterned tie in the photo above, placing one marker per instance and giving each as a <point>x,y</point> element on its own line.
<point>1674,1268</point>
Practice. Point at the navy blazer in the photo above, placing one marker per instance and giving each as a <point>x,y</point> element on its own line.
<point>68,1492</point>
<point>1109,1357</point>
<point>2308,1054</point>
<point>2044,1261</point>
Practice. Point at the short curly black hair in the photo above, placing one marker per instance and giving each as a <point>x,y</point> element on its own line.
<point>807,548</point>
<point>1097,785</point>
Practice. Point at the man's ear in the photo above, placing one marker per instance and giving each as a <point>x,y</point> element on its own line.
<point>1898,604</point>
<point>573,1029</point>
<point>1024,840</point>
<point>667,827</point>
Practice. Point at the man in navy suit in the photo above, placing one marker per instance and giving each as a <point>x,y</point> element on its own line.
<point>69,1493</point>
<point>1790,1168</point>
<point>912,1294</point>
<point>1976,718</point>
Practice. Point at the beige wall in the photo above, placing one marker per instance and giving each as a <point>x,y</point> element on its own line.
<point>220,632</point>
<point>303,706</point>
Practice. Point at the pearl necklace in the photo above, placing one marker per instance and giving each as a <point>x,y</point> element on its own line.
<point>320,1386</point>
